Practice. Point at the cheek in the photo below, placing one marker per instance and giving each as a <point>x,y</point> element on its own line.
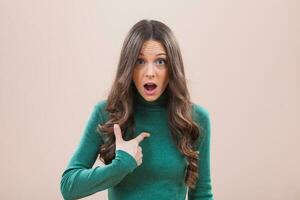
<point>136,77</point>
<point>165,76</point>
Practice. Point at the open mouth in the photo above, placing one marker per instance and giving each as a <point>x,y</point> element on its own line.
<point>150,86</point>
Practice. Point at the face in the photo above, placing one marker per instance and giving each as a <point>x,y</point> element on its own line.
<point>150,74</point>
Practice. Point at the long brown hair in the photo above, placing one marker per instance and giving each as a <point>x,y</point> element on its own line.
<point>184,130</point>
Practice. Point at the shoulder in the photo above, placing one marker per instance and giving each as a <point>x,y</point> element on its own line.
<point>100,108</point>
<point>201,116</point>
<point>200,113</point>
<point>101,105</point>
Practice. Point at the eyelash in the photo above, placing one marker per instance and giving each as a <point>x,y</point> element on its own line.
<point>160,59</point>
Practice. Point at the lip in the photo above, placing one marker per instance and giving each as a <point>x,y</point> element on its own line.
<point>150,93</point>
<point>149,82</point>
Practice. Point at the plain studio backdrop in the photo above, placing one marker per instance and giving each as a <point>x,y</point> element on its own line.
<point>58,58</point>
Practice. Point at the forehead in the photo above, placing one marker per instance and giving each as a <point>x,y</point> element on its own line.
<point>152,47</point>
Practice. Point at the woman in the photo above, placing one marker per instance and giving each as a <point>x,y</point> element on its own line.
<point>154,142</point>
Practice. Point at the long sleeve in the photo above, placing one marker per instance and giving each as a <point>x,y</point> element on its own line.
<point>203,189</point>
<point>79,179</point>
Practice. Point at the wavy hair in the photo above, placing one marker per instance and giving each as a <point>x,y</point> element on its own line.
<point>120,102</point>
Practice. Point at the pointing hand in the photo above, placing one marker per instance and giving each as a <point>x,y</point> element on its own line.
<point>132,146</point>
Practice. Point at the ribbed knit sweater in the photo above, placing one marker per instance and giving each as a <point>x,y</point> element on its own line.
<point>161,174</point>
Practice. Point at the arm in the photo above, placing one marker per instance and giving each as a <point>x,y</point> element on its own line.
<point>79,178</point>
<point>203,189</point>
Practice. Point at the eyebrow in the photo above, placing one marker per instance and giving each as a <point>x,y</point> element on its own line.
<point>156,54</point>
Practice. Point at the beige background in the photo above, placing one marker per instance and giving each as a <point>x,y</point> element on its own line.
<point>57,58</point>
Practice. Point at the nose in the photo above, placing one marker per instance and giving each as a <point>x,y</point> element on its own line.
<point>150,71</point>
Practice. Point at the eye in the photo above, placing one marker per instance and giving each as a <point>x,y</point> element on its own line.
<point>161,61</point>
<point>140,61</point>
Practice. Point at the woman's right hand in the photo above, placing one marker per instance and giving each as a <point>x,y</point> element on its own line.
<point>132,146</point>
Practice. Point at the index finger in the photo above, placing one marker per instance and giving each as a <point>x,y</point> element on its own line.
<point>141,136</point>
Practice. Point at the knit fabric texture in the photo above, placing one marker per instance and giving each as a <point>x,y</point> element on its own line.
<point>162,172</point>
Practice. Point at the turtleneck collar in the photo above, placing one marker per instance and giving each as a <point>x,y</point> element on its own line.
<point>158,104</point>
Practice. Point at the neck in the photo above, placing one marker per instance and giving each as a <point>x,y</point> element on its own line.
<point>158,104</point>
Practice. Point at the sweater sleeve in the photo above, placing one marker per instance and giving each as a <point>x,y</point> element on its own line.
<point>203,189</point>
<point>79,179</point>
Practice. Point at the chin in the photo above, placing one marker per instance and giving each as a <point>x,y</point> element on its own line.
<point>150,98</point>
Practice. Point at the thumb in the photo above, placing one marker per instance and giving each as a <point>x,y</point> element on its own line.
<point>118,133</point>
<point>141,136</point>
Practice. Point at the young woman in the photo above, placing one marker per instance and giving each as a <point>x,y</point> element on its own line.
<point>154,142</point>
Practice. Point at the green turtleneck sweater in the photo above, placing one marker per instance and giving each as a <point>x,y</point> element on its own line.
<point>161,174</point>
